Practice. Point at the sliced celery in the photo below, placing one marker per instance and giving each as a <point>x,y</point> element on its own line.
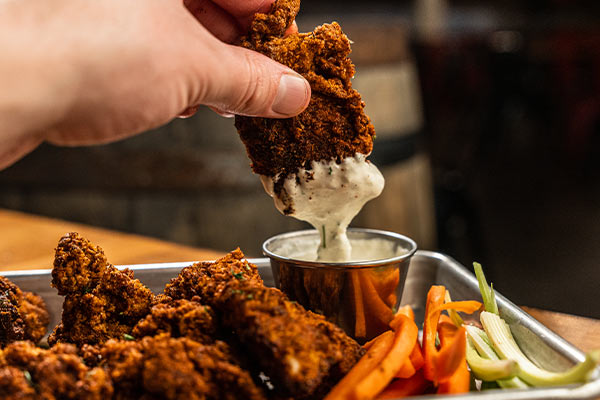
<point>487,293</point>
<point>482,344</point>
<point>487,369</point>
<point>499,333</point>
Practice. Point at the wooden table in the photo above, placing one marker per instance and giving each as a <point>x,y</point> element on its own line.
<point>28,242</point>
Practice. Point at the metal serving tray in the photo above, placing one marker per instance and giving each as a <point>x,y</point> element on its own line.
<point>427,268</point>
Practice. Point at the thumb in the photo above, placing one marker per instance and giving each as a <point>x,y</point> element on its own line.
<point>245,82</point>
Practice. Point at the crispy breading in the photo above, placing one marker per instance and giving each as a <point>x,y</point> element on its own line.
<point>78,265</point>
<point>162,367</point>
<point>179,318</point>
<point>334,126</point>
<point>207,279</point>
<point>102,302</point>
<point>23,315</point>
<point>58,373</point>
<point>301,352</point>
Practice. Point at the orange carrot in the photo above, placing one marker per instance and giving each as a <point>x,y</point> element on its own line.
<point>385,281</point>
<point>452,351</point>
<point>405,310</point>
<point>416,357</point>
<point>435,298</point>
<point>459,382</point>
<point>377,312</point>
<point>404,340</point>
<point>468,306</point>
<point>414,363</point>
<point>372,358</point>
<point>407,370</point>
<point>416,384</point>
<point>360,326</point>
<point>451,337</point>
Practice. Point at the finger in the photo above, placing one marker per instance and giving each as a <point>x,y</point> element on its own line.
<point>220,23</point>
<point>222,113</point>
<point>243,11</point>
<point>188,112</point>
<point>248,83</point>
<point>293,28</point>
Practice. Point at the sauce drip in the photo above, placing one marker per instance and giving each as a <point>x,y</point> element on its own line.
<point>328,196</point>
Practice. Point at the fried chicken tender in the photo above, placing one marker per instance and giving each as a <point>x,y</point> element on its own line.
<point>206,280</point>
<point>101,301</point>
<point>179,318</point>
<point>23,315</point>
<point>162,367</point>
<point>29,372</point>
<point>334,126</point>
<point>301,352</point>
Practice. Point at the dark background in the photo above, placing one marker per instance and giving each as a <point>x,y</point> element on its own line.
<point>510,94</point>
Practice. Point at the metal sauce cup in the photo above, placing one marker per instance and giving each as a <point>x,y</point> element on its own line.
<point>360,297</point>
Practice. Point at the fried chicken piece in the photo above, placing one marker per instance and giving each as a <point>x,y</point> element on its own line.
<point>207,279</point>
<point>301,352</point>
<point>30,372</point>
<point>162,367</point>
<point>23,315</point>
<point>78,265</point>
<point>101,301</point>
<point>334,126</point>
<point>179,318</point>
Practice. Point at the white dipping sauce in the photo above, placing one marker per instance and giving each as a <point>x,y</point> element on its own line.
<point>328,197</point>
<point>305,249</point>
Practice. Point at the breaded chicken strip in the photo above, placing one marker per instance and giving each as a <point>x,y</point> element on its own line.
<point>334,126</point>
<point>302,353</point>
<point>187,318</point>
<point>101,301</point>
<point>23,315</point>
<point>162,367</point>
<point>29,372</point>
<point>206,280</point>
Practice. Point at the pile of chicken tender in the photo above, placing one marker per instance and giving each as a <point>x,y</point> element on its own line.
<point>215,332</point>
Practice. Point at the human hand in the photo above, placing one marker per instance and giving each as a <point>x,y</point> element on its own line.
<point>103,70</point>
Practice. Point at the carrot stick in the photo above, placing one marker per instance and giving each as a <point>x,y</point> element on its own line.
<point>407,370</point>
<point>416,357</point>
<point>378,313</point>
<point>468,306</point>
<point>406,310</point>
<point>452,351</point>
<point>459,382</point>
<point>372,358</point>
<point>404,340</point>
<point>435,298</point>
<point>360,326</point>
<point>416,384</point>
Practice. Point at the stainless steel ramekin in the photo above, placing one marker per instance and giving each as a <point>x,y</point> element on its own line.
<point>361,297</point>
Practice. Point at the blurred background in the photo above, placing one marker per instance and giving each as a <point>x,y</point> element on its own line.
<point>488,133</point>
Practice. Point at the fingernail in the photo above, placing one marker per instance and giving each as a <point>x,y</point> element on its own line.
<point>292,95</point>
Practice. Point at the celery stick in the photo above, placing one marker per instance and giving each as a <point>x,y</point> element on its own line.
<point>487,293</point>
<point>499,333</point>
<point>486,369</point>
<point>482,344</point>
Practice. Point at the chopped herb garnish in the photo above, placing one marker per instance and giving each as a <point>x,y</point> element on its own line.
<point>127,336</point>
<point>250,296</point>
<point>237,275</point>
<point>248,268</point>
<point>28,377</point>
<point>330,170</point>
<point>237,291</point>
<point>395,309</point>
<point>324,240</point>
<point>87,290</point>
